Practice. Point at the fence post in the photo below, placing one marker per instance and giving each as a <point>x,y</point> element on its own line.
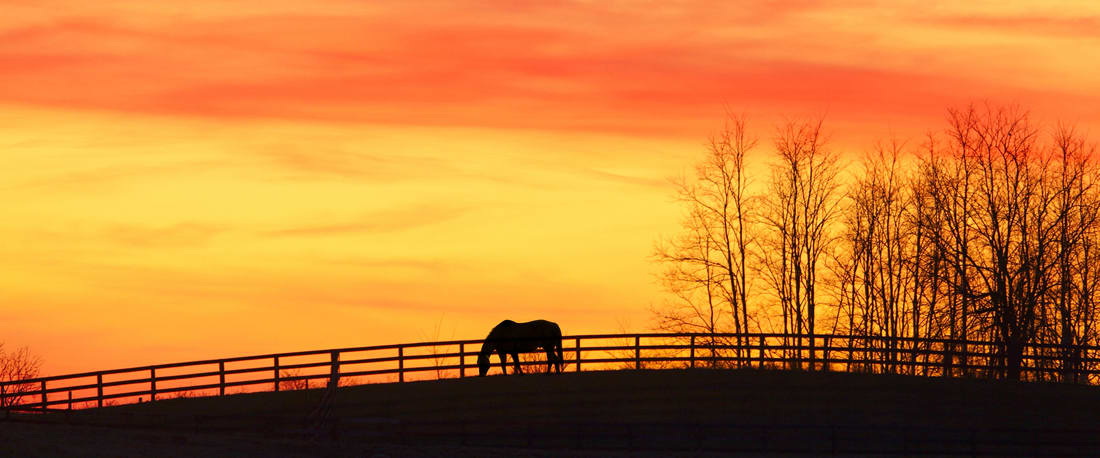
<point>276,373</point>
<point>813,352</point>
<point>762,352</point>
<point>637,352</point>
<point>851,347</point>
<point>578,347</point>
<point>693,351</point>
<point>152,384</point>
<point>43,386</point>
<point>741,356</point>
<point>400,364</point>
<point>461,360</point>
<point>221,378</point>
<point>334,376</point>
<point>99,389</point>
<point>70,399</point>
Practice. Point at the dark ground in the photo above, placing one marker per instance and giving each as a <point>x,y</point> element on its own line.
<point>615,413</point>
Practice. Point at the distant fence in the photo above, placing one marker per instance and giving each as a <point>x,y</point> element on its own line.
<point>458,358</point>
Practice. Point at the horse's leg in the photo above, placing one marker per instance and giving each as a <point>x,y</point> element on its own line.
<point>560,357</point>
<point>515,359</point>
<point>503,362</point>
<point>550,358</point>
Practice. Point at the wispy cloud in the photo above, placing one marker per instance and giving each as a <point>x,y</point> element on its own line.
<point>89,241</point>
<point>106,176</point>
<point>629,179</point>
<point>188,234</point>
<point>1022,24</point>
<point>392,220</point>
<point>321,159</point>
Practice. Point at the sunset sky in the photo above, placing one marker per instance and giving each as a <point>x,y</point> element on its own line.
<point>188,180</point>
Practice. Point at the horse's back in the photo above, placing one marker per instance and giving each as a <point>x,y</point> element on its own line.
<point>535,328</point>
<point>553,327</point>
<point>545,328</point>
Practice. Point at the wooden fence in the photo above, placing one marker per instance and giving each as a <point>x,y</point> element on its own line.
<point>458,358</point>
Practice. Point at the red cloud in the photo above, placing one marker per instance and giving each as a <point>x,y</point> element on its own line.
<point>591,68</point>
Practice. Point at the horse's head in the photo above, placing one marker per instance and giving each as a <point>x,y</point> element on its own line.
<point>483,363</point>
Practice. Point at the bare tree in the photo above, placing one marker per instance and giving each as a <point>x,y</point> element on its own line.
<point>926,220</point>
<point>1015,216</point>
<point>437,351</point>
<point>1071,322</point>
<point>880,272</point>
<point>970,253</point>
<point>706,268</point>
<point>294,384</point>
<point>17,365</point>
<point>802,206</point>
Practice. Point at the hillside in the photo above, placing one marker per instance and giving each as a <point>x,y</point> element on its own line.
<point>598,413</point>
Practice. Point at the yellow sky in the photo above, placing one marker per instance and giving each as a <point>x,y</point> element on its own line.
<point>147,238</point>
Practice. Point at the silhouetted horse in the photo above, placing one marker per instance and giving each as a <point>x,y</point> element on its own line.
<point>511,338</point>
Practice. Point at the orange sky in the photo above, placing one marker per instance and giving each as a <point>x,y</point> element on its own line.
<point>188,181</point>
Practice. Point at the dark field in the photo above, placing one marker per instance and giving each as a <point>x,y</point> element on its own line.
<point>627,413</point>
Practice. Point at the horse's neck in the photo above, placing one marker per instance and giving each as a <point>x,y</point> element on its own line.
<point>488,348</point>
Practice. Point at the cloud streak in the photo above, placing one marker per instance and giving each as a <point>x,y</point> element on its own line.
<point>577,66</point>
<point>391,220</point>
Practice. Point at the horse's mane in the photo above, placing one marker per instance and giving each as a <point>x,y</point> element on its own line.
<point>494,335</point>
<point>498,331</point>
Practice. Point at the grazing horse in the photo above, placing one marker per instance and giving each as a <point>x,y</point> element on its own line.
<point>511,338</point>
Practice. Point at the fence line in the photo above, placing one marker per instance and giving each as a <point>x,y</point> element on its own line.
<point>446,359</point>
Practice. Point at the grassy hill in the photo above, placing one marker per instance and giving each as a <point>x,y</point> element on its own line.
<point>597,414</point>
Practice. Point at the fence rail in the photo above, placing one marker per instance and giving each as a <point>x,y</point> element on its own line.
<point>458,358</point>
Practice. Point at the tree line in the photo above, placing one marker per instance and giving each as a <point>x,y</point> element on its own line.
<point>985,230</point>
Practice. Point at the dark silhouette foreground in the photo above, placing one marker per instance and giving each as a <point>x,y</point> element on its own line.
<point>511,338</point>
<point>636,413</point>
